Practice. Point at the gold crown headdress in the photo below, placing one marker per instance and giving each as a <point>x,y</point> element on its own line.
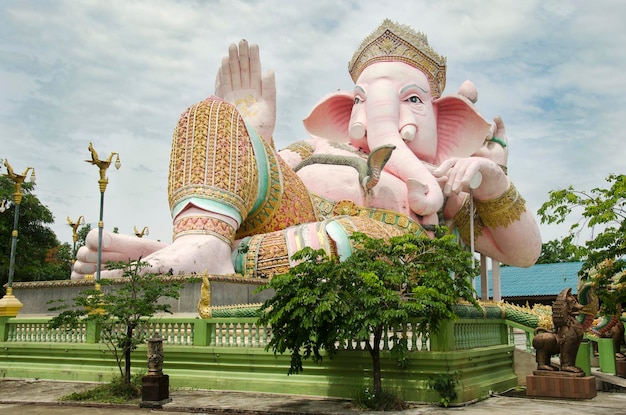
<point>395,42</point>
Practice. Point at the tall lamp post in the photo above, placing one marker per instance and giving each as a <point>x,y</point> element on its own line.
<point>75,225</point>
<point>103,165</point>
<point>9,305</point>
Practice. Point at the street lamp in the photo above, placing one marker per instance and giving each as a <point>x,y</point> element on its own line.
<point>103,165</point>
<point>75,225</point>
<point>9,305</point>
<point>144,232</point>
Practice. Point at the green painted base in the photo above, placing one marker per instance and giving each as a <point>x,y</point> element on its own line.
<point>478,371</point>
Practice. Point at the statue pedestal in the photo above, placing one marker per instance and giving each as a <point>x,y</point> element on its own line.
<point>155,391</point>
<point>620,368</point>
<point>556,385</point>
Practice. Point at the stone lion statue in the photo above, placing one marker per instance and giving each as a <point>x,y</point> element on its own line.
<point>566,338</point>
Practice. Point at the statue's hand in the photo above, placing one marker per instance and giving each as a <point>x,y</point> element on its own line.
<point>240,82</point>
<point>423,200</point>
<point>483,176</point>
<point>496,147</point>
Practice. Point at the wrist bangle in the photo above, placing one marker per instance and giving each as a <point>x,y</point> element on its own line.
<point>502,210</point>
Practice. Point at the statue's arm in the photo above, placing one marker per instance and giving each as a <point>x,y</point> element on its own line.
<point>504,228</point>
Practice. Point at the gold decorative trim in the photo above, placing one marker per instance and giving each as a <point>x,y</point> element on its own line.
<point>204,225</point>
<point>212,157</point>
<point>231,278</point>
<point>271,200</point>
<point>302,148</point>
<point>327,209</point>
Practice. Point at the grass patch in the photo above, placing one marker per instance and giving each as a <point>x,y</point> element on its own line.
<point>113,392</point>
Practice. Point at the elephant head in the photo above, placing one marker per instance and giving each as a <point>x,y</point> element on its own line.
<point>396,101</point>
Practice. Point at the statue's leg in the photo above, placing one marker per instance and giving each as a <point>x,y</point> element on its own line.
<point>213,185</point>
<point>225,183</point>
<point>268,254</point>
<point>570,343</point>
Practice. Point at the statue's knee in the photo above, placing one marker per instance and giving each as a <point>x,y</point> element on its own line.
<point>212,158</point>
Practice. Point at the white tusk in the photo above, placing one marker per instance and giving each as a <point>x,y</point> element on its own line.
<point>357,130</point>
<point>408,132</point>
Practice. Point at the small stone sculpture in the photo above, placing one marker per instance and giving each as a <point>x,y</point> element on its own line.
<point>155,386</point>
<point>155,355</point>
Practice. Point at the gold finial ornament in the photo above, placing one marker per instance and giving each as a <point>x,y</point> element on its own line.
<point>204,305</point>
<point>393,42</point>
<point>144,232</point>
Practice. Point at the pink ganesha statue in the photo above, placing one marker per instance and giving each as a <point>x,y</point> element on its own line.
<point>390,157</point>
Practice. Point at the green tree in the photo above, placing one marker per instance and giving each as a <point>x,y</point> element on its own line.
<point>82,235</point>
<point>555,251</point>
<point>602,211</point>
<point>323,302</point>
<point>123,313</point>
<point>58,262</point>
<point>37,244</point>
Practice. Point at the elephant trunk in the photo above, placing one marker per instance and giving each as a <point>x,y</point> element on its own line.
<point>424,193</point>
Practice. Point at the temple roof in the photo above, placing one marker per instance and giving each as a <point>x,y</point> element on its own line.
<point>540,280</point>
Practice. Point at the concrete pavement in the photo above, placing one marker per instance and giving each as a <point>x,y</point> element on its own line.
<point>28,396</point>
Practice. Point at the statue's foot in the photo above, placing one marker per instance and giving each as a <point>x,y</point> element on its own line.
<point>187,254</point>
<point>547,367</point>
<point>116,248</point>
<point>571,369</point>
<point>192,254</point>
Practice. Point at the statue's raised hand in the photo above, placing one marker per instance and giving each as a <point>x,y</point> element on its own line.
<point>241,83</point>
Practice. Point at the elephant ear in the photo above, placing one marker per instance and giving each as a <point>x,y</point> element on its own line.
<point>461,130</point>
<point>331,117</point>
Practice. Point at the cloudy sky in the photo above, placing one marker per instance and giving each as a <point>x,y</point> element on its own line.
<point>120,73</point>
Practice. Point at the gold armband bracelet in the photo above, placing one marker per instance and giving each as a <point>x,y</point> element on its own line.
<point>502,210</point>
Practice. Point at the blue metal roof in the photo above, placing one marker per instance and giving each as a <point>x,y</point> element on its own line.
<point>538,280</point>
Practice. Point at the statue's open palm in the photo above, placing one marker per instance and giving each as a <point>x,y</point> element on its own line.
<point>241,83</point>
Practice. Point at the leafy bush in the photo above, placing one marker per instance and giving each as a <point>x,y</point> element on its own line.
<point>116,391</point>
<point>445,385</point>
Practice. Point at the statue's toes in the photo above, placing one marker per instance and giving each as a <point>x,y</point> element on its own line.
<point>572,369</point>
